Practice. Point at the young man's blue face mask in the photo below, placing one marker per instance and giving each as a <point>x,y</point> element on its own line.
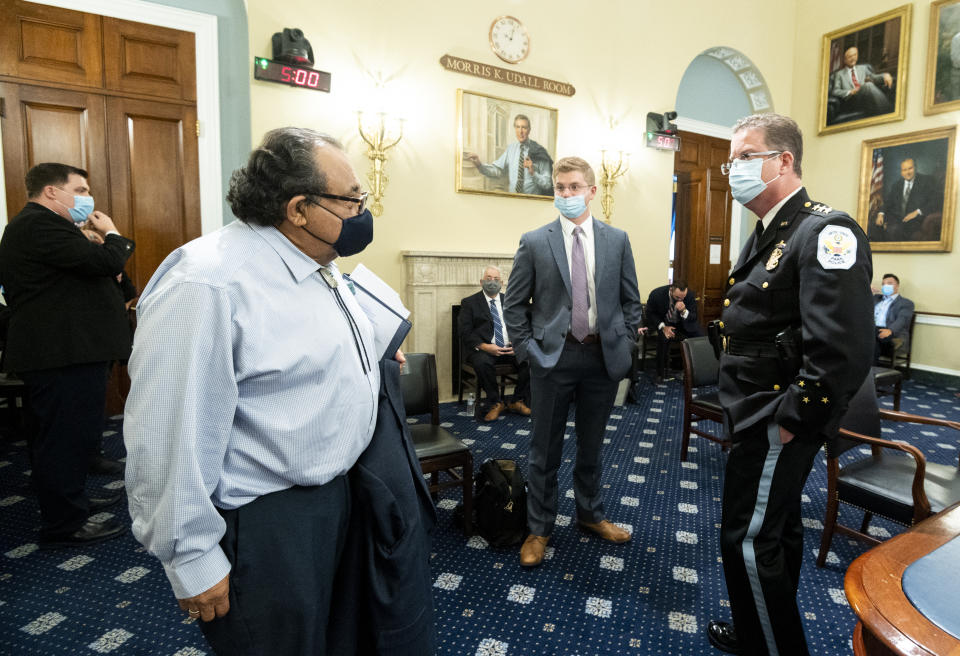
<point>887,290</point>
<point>571,207</point>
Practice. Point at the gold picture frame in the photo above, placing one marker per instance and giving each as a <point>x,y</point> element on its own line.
<point>874,91</point>
<point>919,217</point>
<point>489,146</point>
<point>941,89</point>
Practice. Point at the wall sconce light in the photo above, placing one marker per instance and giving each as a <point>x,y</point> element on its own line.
<point>610,170</point>
<point>381,134</point>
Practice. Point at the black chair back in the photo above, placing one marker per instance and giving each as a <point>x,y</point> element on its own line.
<point>862,416</point>
<point>418,384</point>
<point>456,356</point>
<point>704,366</point>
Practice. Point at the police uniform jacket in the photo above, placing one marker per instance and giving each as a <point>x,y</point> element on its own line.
<point>810,270</point>
<point>66,306</point>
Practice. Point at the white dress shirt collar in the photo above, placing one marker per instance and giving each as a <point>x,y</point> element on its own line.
<point>768,217</point>
<point>568,226</point>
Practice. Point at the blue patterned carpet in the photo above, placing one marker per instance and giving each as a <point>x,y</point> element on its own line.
<point>653,595</point>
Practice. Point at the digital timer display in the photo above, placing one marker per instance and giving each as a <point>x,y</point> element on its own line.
<point>663,141</point>
<point>295,76</point>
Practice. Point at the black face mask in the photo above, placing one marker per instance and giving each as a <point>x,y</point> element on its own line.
<point>356,233</point>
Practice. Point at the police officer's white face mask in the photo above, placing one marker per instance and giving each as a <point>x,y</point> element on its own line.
<point>746,178</point>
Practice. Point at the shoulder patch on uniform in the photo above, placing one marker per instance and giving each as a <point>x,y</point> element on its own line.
<point>836,247</point>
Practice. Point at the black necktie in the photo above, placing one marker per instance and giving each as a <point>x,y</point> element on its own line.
<point>757,233</point>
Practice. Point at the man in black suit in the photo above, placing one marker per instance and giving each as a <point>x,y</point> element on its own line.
<point>911,199</point>
<point>672,310</point>
<point>67,322</point>
<point>484,337</point>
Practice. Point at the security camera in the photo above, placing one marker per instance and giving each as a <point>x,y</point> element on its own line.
<point>660,123</point>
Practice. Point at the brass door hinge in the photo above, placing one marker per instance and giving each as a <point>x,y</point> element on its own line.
<point>198,128</point>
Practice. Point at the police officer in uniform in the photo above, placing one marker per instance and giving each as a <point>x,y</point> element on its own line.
<point>797,337</point>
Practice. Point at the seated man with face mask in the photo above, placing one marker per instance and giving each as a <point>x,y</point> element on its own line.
<point>891,314</point>
<point>486,344</point>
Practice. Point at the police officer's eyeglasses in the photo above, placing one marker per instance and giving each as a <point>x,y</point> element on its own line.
<point>361,200</point>
<point>729,164</point>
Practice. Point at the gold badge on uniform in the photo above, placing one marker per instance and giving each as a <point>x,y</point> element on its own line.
<point>774,259</point>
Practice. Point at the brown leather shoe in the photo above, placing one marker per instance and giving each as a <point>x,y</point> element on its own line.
<point>520,408</point>
<point>495,411</point>
<point>607,530</point>
<point>531,553</point>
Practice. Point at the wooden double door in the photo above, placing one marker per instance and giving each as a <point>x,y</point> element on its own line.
<point>114,97</point>
<point>702,252</point>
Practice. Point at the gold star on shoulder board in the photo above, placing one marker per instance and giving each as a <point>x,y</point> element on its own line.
<point>824,400</point>
<point>806,399</point>
<point>801,383</point>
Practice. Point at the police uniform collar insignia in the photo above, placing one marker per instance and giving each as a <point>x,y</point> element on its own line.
<point>819,208</point>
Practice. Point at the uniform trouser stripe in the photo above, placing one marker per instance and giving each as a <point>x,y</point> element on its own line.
<point>756,521</point>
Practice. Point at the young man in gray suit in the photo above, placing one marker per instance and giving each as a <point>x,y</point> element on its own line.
<point>891,315</point>
<point>572,310</point>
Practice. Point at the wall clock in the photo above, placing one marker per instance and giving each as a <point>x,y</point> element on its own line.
<point>509,39</point>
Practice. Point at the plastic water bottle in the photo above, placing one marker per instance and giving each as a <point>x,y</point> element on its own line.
<point>470,399</point>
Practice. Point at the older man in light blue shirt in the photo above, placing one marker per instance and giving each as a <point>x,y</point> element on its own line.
<point>254,390</point>
<point>527,164</point>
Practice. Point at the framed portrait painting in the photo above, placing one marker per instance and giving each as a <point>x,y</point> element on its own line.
<point>941,92</point>
<point>505,147</point>
<point>908,190</point>
<point>863,72</point>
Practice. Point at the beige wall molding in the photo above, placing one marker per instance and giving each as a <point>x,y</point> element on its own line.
<point>938,320</point>
<point>436,281</point>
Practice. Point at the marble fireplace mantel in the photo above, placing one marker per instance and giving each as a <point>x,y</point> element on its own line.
<point>435,281</point>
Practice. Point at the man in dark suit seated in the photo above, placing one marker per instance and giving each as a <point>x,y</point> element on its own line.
<point>484,338</point>
<point>672,310</point>
<point>910,200</point>
<point>892,314</point>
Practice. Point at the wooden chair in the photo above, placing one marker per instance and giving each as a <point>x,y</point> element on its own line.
<point>437,450</point>
<point>895,481</point>
<point>463,373</point>
<point>899,358</point>
<point>888,382</point>
<point>700,369</point>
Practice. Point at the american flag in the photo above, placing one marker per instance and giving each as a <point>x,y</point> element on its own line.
<point>876,183</point>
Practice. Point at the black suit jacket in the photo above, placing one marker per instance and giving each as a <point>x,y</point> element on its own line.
<point>658,304</point>
<point>384,593</point>
<point>65,305</point>
<point>475,323</point>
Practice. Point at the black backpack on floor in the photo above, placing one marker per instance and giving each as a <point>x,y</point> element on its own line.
<point>500,503</point>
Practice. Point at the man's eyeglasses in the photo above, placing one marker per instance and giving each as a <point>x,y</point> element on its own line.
<point>574,188</point>
<point>766,154</point>
<point>360,200</point>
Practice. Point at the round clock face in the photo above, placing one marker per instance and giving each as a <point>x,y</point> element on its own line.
<point>509,39</point>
